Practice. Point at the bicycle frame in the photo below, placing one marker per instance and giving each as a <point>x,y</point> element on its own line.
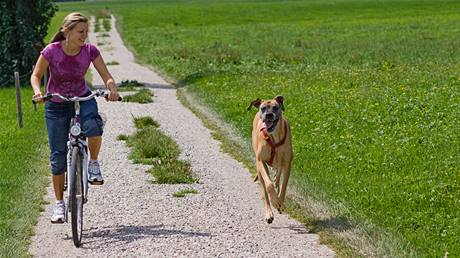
<point>76,139</point>
<point>77,171</point>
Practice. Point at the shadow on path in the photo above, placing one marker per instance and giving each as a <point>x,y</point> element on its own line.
<point>159,86</point>
<point>335,224</point>
<point>146,84</point>
<point>94,238</point>
<point>299,229</point>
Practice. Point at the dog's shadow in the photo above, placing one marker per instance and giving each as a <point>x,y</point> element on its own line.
<point>340,224</point>
<point>94,238</point>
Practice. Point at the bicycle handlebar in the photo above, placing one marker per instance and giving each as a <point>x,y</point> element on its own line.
<point>96,93</point>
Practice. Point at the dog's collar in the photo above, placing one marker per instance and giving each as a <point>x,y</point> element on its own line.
<point>268,139</point>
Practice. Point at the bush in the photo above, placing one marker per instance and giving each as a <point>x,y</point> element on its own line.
<point>23,26</point>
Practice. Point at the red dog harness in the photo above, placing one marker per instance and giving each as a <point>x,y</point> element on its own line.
<point>267,138</point>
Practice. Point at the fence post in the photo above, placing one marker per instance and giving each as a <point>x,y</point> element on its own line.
<point>18,98</point>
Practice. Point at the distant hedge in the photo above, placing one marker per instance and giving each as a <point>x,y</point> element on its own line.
<point>23,26</point>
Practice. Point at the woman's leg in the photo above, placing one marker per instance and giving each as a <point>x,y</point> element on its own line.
<point>94,145</point>
<point>58,184</point>
<point>58,117</point>
<point>92,127</point>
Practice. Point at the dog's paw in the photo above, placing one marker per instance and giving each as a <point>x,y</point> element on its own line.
<point>281,209</point>
<point>268,216</point>
<point>269,220</point>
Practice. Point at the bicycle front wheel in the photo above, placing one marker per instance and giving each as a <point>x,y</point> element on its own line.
<point>76,195</point>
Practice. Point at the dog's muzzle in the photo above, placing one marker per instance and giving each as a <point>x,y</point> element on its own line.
<point>270,122</point>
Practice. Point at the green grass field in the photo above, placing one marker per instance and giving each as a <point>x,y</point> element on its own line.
<point>23,170</point>
<point>371,89</point>
<point>372,94</point>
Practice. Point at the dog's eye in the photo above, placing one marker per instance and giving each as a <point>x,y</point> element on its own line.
<point>263,109</point>
<point>275,108</point>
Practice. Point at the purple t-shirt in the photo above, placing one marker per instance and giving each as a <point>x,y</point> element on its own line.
<point>67,73</point>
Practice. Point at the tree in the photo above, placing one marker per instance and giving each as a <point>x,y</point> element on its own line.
<point>23,26</point>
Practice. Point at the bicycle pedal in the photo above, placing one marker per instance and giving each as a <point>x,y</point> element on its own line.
<point>96,182</point>
<point>59,221</point>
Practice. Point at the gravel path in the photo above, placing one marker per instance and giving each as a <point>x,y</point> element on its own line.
<point>130,216</point>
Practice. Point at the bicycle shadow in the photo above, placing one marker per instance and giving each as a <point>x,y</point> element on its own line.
<point>94,238</point>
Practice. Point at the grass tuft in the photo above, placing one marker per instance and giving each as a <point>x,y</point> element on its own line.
<point>142,122</point>
<point>143,96</point>
<point>122,137</point>
<point>103,35</point>
<point>151,143</point>
<point>131,83</point>
<point>173,172</point>
<point>152,147</point>
<point>106,24</point>
<point>183,193</point>
<point>113,63</point>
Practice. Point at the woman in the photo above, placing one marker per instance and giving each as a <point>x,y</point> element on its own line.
<point>68,58</point>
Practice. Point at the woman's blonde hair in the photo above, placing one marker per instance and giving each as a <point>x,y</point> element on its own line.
<point>69,22</point>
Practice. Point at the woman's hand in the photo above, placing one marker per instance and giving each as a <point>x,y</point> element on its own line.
<point>113,95</point>
<point>38,97</point>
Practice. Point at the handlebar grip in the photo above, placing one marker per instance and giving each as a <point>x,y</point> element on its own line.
<point>45,98</point>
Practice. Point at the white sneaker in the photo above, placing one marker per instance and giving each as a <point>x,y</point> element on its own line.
<point>58,213</point>
<point>94,173</point>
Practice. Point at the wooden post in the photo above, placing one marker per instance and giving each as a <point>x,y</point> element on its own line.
<point>18,98</point>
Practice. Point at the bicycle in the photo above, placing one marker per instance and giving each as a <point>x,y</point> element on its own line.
<point>76,178</point>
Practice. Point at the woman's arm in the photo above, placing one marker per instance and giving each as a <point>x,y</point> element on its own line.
<point>106,77</point>
<point>35,79</point>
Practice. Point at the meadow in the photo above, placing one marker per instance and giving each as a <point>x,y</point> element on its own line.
<point>372,96</point>
<point>23,171</point>
<point>371,89</point>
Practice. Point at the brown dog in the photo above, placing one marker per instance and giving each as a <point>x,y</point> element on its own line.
<point>271,141</point>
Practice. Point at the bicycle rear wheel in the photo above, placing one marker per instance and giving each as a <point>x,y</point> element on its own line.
<point>76,195</point>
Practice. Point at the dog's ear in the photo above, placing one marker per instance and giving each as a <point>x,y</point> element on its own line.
<point>256,103</point>
<point>280,100</point>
